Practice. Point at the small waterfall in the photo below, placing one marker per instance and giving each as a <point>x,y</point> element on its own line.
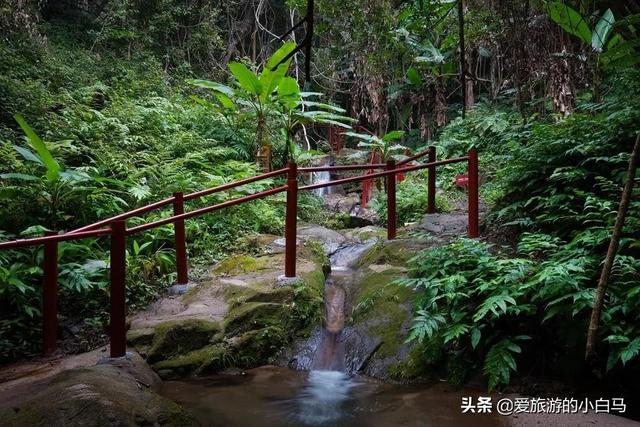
<point>322,176</point>
<point>328,387</point>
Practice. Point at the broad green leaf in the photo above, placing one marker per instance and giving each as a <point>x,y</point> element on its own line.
<point>289,92</point>
<point>601,32</point>
<point>218,87</point>
<point>414,77</point>
<point>21,176</point>
<point>270,78</point>
<point>280,54</point>
<point>246,78</point>
<point>225,101</point>
<point>475,337</point>
<point>393,135</point>
<point>53,168</point>
<point>431,54</point>
<point>569,20</point>
<point>28,155</point>
<point>322,105</point>
<point>614,41</point>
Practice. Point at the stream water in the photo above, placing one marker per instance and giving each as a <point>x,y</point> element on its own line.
<point>326,395</point>
<point>272,396</point>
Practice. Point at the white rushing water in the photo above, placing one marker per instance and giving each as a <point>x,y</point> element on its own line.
<point>327,390</point>
<point>320,177</point>
<point>321,400</point>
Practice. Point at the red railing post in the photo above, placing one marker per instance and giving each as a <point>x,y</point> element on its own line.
<point>117,332</point>
<point>50,296</point>
<point>391,201</point>
<point>180,240</point>
<point>473,193</point>
<point>431,182</point>
<point>291,221</point>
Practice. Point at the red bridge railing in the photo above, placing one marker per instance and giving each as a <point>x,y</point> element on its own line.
<point>117,229</point>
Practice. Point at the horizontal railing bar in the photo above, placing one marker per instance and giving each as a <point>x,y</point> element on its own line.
<point>380,174</point>
<point>414,157</point>
<point>125,215</point>
<point>20,243</point>
<point>235,184</point>
<point>202,211</point>
<point>342,167</point>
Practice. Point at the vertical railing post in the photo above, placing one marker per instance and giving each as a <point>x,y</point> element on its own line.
<point>391,201</point>
<point>291,221</point>
<point>431,182</point>
<point>180,240</point>
<point>473,193</point>
<point>50,296</point>
<point>118,267</point>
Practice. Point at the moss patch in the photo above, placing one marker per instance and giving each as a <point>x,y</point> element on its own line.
<point>140,337</point>
<point>257,347</point>
<point>396,253</point>
<point>256,315</point>
<point>240,264</point>
<point>418,365</point>
<point>237,294</point>
<point>205,360</point>
<point>383,307</point>
<point>179,337</point>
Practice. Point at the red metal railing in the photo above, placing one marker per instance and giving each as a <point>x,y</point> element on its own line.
<point>118,230</point>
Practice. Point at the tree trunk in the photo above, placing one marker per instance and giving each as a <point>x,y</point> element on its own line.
<point>463,62</point>
<point>625,199</point>
<point>470,99</point>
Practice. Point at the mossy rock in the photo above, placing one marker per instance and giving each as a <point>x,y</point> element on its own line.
<point>242,292</point>
<point>105,394</point>
<point>396,253</point>
<point>239,264</point>
<point>174,338</point>
<point>206,360</point>
<point>256,315</point>
<point>258,347</point>
<point>382,308</point>
<point>418,365</point>
<point>140,337</point>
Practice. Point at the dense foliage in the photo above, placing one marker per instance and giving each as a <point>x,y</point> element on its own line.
<point>105,106</point>
<point>557,186</point>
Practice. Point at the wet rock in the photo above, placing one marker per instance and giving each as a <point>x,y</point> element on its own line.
<point>179,337</point>
<point>208,359</point>
<point>119,393</point>
<point>349,205</point>
<point>330,239</point>
<point>237,315</point>
<point>256,315</point>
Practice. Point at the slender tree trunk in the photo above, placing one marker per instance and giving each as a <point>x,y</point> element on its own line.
<point>463,61</point>
<point>470,99</point>
<point>625,199</point>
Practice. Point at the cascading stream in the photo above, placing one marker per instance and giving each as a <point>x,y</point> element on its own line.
<point>328,387</point>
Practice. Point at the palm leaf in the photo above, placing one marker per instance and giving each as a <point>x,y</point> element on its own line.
<point>53,167</point>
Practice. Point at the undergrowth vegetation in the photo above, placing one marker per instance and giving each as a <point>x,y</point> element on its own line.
<point>102,134</point>
<point>556,184</point>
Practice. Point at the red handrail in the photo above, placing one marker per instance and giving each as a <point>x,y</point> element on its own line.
<point>125,215</point>
<point>230,185</point>
<point>21,243</point>
<point>202,211</point>
<point>416,156</point>
<point>118,231</point>
<point>385,173</point>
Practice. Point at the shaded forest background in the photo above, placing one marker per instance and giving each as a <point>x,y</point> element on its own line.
<point>552,108</point>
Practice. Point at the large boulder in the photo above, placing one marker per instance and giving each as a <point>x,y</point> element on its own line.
<point>115,393</point>
<point>241,314</point>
